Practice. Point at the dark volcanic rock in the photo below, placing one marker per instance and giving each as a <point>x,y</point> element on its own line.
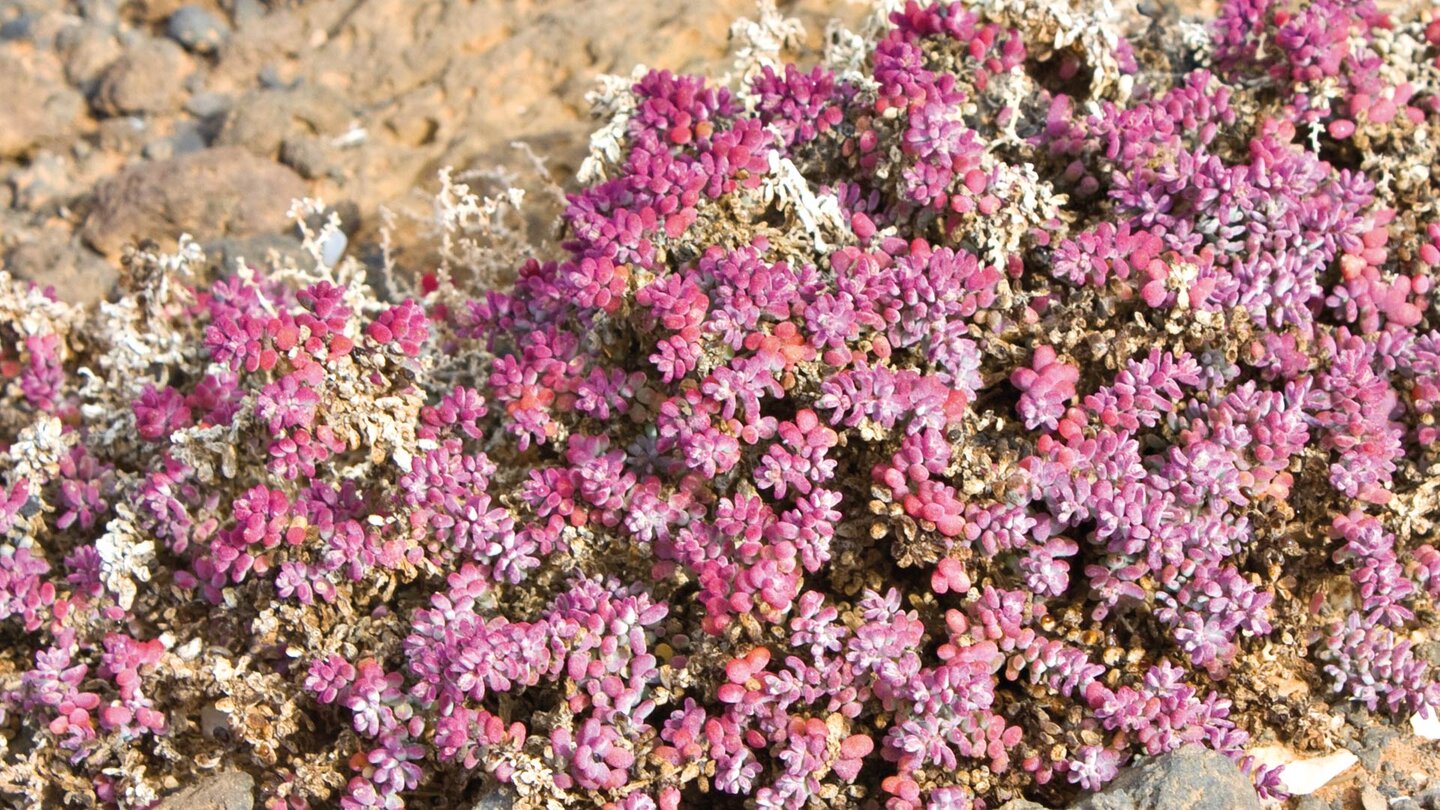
<point>1190,778</point>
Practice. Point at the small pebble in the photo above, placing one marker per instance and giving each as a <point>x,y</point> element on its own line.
<point>197,29</point>
<point>208,105</point>
<point>333,248</point>
<point>16,29</point>
<point>269,78</point>
<point>1370,799</point>
<point>87,49</point>
<point>147,80</point>
<point>188,137</point>
<point>125,135</point>
<point>158,149</point>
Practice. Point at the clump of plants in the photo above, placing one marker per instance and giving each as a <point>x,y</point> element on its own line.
<point>1020,391</point>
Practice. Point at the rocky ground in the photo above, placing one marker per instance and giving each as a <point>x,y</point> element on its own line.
<point>152,118</point>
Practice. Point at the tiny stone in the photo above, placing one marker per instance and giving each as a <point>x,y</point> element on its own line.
<point>124,135</point>
<point>147,79</point>
<point>159,150</point>
<point>1379,736</point>
<point>188,137</point>
<point>16,29</point>
<point>333,248</point>
<point>1370,799</point>
<point>269,78</point>
<point>86,49</point>
<point>197,29</point>
<point>1369,756</point>
<point>208,105</point>
<point>310,156</point>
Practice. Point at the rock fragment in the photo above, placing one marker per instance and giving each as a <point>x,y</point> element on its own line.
<point>52,258</point>
<point>87,49</point>
<point>262,120</point>
<point>196,28</point>
<point>1188,778</point>
<point>148,79</point>
<point>40,108</point>
<point>210,193</point>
